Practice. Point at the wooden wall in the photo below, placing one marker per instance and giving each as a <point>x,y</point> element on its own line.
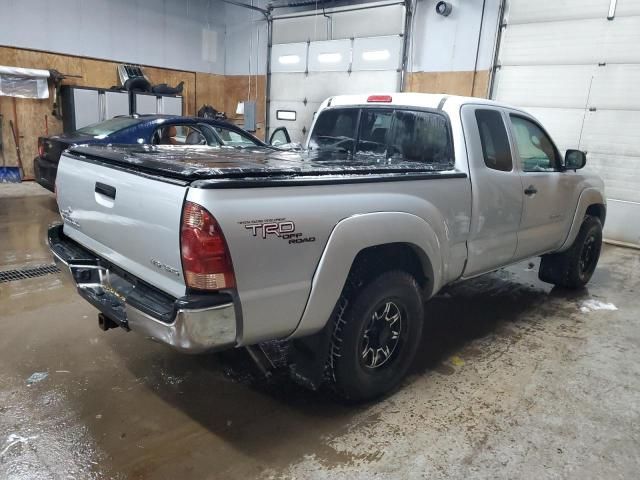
<point>455,83</point>
<point>199,88</point>
<point>237,90</point>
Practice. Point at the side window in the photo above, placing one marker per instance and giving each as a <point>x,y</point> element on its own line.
<point>536,149</point>
<point>374,126</point>
<point>233,139</point>
<point>494,140</point>
<point>178,135</point>
<point>420,137</point>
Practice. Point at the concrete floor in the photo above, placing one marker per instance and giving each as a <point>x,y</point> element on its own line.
<point>513,380</point>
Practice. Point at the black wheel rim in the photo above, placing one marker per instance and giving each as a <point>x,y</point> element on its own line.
<point>589,255</point>
<point>382,335</point>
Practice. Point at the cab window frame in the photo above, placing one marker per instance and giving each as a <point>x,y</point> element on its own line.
<point>557,161</point>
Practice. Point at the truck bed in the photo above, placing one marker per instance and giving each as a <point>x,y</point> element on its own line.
<point>196,163</point>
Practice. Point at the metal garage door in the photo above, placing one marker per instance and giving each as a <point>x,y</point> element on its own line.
<point>339,51</point>
<point>579,73</point>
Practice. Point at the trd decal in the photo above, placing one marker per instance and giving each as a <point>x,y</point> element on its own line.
<point>276,227</point>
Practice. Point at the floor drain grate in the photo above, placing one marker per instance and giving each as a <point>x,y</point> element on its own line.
<point>28,272</point>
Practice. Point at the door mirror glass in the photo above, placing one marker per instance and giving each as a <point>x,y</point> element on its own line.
<point>574,159</point>
<point>280,136</point>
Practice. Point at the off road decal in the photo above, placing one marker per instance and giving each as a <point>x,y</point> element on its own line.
<point>276,228</point>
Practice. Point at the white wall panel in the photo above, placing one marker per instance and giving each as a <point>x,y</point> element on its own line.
<point>377,53</point>
<point>387,20</point>
<point>319,86</point>
<point>572,42</point>
<point>614,132</point>
<point>557,86</point>
<point>528,11</point>
<point>382,20</point>
<point>554,43</point>
<point>618,226</point>
<point>441,44</point>
<point>616,86</point>
<point>621,174</point>
<point>161,33</point>
<point>627,8</point>
<point>301,29</point>
<point>289,57</point>
<point>620,42</point>
<point>329,56</point>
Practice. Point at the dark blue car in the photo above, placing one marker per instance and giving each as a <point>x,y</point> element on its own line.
<point>139,129</point>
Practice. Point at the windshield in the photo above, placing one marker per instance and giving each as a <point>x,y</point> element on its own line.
<point>398,136</point>
<point>106,128</point>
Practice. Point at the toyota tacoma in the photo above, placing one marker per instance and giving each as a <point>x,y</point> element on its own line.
<point>333,249</point>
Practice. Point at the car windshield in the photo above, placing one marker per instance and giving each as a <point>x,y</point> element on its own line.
<point>398,136</point>
<point>106,128</point>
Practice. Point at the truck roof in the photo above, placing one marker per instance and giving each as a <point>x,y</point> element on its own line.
<point>427,100</point>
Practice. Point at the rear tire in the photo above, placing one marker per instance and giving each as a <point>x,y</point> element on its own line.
<point>376,332</point>
<point>574,267</point>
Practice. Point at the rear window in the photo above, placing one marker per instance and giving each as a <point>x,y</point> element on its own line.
<point>398,136</point>
<point>108,127</point>
<point>335,130</point>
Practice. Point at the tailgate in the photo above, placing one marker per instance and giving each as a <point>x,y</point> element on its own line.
<point>131,220</point>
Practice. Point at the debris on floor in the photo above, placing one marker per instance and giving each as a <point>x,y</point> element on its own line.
<point>37,377</point>
<point>592,304</point>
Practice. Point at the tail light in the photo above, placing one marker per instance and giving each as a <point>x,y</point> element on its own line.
<point>206,261</point>
<point>41,151</point>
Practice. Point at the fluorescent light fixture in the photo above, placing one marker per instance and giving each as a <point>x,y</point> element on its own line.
<point>376,55</point>
<point>329,57</point>
<point>286,115</point>
<point>288,59</point>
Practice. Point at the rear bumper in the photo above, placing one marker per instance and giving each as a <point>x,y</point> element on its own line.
<point>192,324</point>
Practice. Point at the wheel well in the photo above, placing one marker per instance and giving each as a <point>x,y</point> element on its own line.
<point>372,261</point>
<point>597,210</point>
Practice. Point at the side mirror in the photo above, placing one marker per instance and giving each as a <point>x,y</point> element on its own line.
<point>280,136</point>
<point>574,159</point>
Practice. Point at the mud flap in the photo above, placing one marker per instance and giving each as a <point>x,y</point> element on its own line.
<point>308,358</point>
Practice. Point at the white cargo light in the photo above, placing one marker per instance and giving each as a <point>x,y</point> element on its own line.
<point>329,57</point>
<point>376,55</point>
<point>288,59</point>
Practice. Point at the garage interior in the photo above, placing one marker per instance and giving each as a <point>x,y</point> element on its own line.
<point>513,378</point>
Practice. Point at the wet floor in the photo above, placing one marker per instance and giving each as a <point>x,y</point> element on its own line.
<point>513,380</point>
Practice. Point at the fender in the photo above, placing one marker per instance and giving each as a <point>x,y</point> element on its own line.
<point>348,238</point>
<point>588,197</point>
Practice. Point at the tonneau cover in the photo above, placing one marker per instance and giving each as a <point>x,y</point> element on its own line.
<point>201,162</point>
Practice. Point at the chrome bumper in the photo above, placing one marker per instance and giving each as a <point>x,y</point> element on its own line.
<point>193,324</point>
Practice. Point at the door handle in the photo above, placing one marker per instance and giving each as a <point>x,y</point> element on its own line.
<point>106,190</point>
<point>530,190</point>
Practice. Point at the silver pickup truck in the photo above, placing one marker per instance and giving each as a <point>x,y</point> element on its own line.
<point>335,248</point>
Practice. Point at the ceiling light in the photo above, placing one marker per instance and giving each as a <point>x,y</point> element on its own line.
<point>376,55</point>
<point>289,59</point>
<point>329,57</point>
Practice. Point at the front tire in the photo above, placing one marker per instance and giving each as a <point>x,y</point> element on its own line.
<point>574,267</point>
<point>376,332</point>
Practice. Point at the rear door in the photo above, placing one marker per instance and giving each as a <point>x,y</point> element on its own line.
<point>496,189</point>
<point>550,195</point>
<point>131,220</point>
